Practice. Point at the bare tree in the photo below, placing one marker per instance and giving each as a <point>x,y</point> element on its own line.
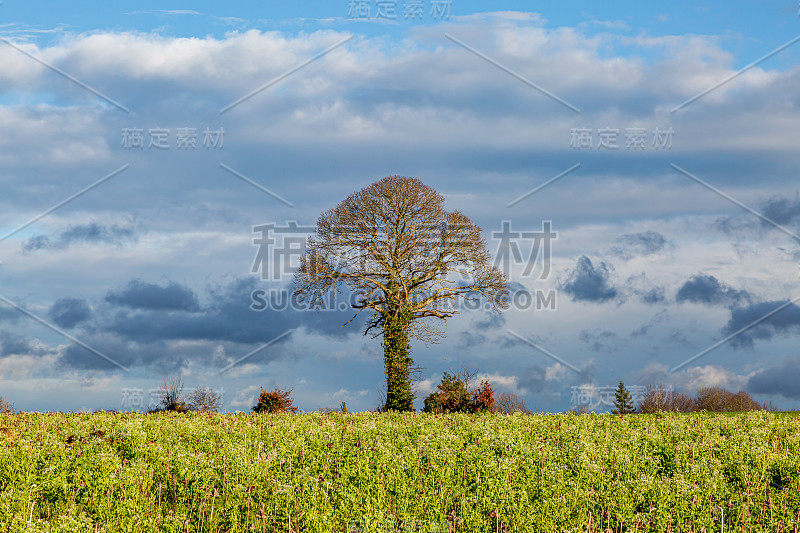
<point>712,399</point>
<point>408,262</point>
<point>205,400</point>
<point>717,399</point>
<point>683,403</point>
<point>509,403</point>
<point>741,401</point>
<point>769,406</point>
<point>656,399</point>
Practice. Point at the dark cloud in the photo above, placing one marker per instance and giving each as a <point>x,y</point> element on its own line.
<point>69,312</point>
<point>489,321</point>
<point>739,226</point>
<point>783,379</point>
<point>140,295</point>
<point>604,341</point>
<point>533,380</point>
<point>471,338</point>
<point>785,321</point>
<point>148,334</point>
<point>708,290</point>
<point>13,344</point>
<point>160,357</point>
<point>781,210</point>
<point>86,233</point>
<point>510,341</point>
<point>678,337</point>
<point>589,284</point>
<point>637,244</point>
<point>113,348</point>
<point>8,314</point>
<point>656,320</point>
<point>645,290</point>
<point>229,317</point>
<point>654,295</point>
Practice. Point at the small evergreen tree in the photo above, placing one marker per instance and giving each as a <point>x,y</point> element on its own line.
<point>453,396</point>
<point>623,402</point>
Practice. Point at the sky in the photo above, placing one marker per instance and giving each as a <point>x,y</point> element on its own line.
<point>161,165</point>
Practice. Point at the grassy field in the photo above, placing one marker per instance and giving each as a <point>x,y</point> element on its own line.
<point>393,472</point>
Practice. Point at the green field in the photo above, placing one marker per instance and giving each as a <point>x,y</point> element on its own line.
<point>399,472</point>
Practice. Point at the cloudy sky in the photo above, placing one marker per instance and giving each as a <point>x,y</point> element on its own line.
<point>142,144</point>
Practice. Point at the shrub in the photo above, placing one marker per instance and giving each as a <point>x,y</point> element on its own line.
<point>172,396</point>
<point>275,401</point>
<point>455,395</point>
<point>6,407</point>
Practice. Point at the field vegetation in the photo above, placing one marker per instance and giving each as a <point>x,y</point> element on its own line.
<point>170,471</point>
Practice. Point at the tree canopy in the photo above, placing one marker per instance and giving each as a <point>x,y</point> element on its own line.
<point>406,260</point>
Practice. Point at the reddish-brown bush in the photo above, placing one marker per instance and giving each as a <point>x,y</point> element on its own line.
<point>275,401</point>
<point>483,398</point>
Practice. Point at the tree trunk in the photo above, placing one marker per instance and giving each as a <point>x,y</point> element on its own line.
<point>396,348</point>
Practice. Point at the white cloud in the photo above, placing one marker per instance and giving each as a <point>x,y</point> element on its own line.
<point>245,397</point>
<point>691,379</point>
<point>344,394</point>
<point>556,372</point>
<point>424,387</point>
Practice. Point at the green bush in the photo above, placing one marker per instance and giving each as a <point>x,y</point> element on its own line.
<point>454,395</point>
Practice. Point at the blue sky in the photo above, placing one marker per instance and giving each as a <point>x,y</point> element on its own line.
<point>666,248</point>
